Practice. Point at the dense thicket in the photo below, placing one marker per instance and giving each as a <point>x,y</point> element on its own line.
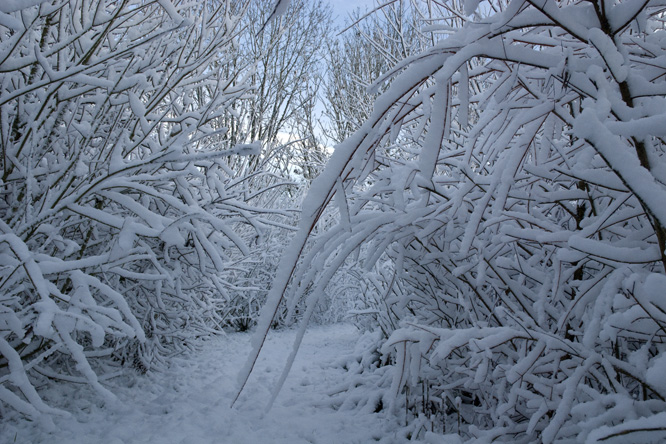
<point>505,201</point>
<point>496,205</point>
<point>131,215</point>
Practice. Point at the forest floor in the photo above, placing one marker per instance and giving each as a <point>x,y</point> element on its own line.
<point>190,401</point>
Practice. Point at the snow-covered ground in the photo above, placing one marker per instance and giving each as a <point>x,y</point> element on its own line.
<point>189,403</point>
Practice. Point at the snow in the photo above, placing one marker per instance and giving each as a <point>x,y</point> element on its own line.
<point>279,8</point>
<point>190,401</point>
<point>470,6</point>
<point>609,52</point>
<point>17,5</point>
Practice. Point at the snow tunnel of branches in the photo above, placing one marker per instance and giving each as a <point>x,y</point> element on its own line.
<point>478,186</point>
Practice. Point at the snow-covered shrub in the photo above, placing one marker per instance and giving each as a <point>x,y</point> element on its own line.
<point>251,274</point>
<point>506,198</point>
<point>120,211</point>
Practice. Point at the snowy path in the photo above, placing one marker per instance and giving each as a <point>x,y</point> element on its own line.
<point>190,402</point>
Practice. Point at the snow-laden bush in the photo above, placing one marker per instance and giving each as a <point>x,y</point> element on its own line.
<point>251,273</point>
<point>506,200</point>
<point>122,219</point>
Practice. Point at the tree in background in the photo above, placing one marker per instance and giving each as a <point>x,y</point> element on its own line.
<point>287,56</point>
<point>505,198</point>
<point>368,48</point>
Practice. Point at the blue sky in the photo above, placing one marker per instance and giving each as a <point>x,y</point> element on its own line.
<point>342,8</point>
